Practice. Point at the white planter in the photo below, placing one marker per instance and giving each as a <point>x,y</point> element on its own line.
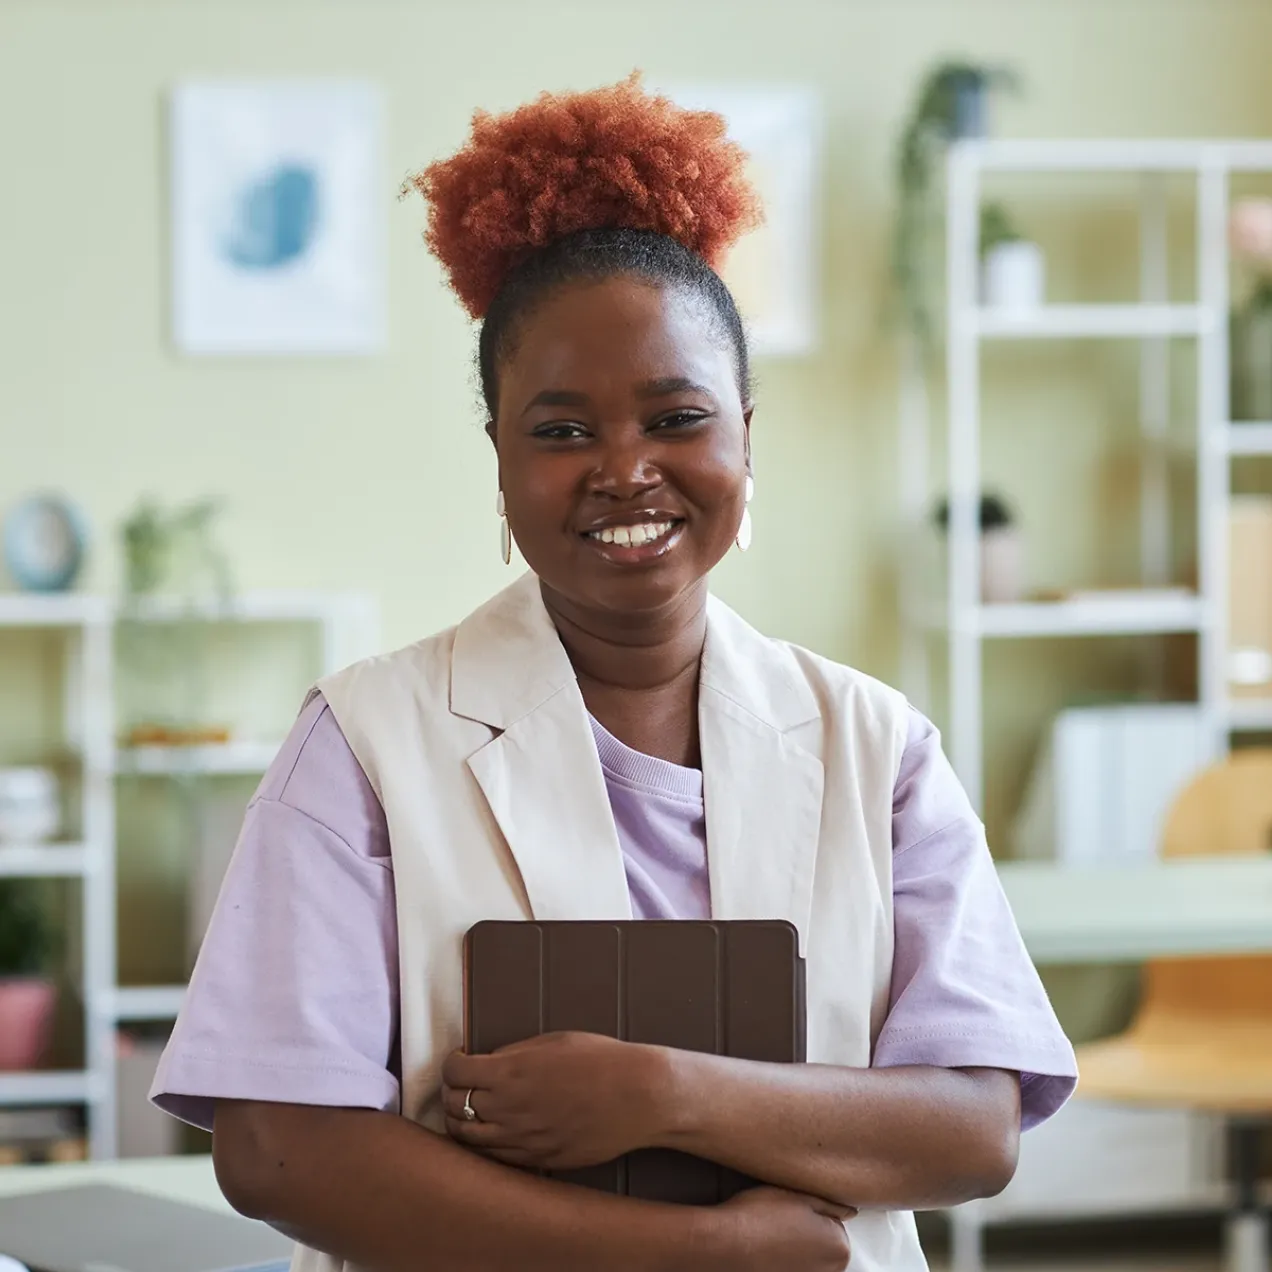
<point>1013,276</point>
<point>29,811</point>
<point>1002,565</point>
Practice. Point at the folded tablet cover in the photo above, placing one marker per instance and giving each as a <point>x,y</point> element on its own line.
<point>731,988</point>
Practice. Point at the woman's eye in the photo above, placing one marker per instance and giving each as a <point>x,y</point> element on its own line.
<point>680,419</point>
<point>560,431</point>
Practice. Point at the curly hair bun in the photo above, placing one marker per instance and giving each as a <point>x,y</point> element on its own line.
<point>615,157</point>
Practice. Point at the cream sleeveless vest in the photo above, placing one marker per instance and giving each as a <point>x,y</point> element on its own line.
<point>478,745</point>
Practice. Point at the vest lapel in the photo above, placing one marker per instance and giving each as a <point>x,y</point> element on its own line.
<point>763,791</point>
<point>540,774</point>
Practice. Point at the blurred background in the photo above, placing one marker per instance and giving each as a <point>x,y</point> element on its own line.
<point>1013,323</point>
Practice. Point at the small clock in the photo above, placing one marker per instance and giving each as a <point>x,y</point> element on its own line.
<point>44,543</point>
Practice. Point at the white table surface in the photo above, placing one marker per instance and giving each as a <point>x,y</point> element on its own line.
<point>1130,913</point>
<point>188,1179</point>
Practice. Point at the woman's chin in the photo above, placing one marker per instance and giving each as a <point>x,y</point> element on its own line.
<point>623,590</point>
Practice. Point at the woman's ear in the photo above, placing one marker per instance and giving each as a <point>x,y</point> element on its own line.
<point>746,425</point>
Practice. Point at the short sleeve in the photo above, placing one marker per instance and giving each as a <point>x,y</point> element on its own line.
<point>294,997</point>
<point>965,993</point>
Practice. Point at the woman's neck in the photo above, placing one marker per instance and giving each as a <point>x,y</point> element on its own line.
<point>639,673</point>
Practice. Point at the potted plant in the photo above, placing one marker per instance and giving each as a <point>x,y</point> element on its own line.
<point>1250,238</point>
<point>1012,268</point>
<point>173,553</point>
<point>174,549</point>
<point>951,104</point>
<point>1001,549</point>
<point>28,995</point>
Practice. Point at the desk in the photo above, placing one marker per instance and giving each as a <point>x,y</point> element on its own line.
<point>188,1179</point>
<point>1130,913</point>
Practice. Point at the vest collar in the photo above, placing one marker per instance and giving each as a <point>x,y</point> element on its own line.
<point>507,661</point>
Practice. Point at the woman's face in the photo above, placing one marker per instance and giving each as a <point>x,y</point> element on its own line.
<point>623,444</point>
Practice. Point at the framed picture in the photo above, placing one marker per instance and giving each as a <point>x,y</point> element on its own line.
<point>276,218</point>
<point>772,272</point>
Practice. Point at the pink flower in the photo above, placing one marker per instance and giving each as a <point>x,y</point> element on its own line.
<point>1250,230</point>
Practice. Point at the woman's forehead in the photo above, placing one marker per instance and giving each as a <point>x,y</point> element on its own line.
<point>616,331</point>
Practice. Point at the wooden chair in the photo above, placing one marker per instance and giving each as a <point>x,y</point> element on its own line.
<point>1202,1037</point>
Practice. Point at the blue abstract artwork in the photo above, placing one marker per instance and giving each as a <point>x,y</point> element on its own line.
<point>277,233</point>
<point>276,219</point>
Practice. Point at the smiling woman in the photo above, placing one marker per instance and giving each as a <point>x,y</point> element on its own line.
<point>604,740</point>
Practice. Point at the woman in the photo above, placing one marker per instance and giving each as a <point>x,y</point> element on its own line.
<point>604,740</point>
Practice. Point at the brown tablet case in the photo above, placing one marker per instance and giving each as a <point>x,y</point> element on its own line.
<point>731,988</point>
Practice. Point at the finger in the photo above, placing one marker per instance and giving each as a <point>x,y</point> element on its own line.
<point>479,1135</point>
<point>539,1042</point>
<point>463,1071</point>
<point>456,1099</point>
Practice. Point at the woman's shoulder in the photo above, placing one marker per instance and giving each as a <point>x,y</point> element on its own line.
<point>825,705</point>
<point>839,687</point>
<point>417,674</point>
<point>841,678</point>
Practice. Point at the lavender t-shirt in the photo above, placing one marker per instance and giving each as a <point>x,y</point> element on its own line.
<point>295,994</point>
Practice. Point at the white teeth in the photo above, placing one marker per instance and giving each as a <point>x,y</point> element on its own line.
<point>633,536</point>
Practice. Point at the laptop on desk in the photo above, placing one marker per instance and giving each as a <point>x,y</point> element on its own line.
<point>101,1228</point>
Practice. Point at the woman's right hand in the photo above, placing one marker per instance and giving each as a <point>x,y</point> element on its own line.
<point>779,1231</point>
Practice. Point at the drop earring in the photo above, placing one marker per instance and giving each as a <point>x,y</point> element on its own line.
<point>743,539</point>
<point>505,531</point>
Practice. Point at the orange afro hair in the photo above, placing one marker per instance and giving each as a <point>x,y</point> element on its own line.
<point>612,158</point>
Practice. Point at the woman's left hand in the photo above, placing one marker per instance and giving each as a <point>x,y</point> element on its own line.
<point>558,1102</point>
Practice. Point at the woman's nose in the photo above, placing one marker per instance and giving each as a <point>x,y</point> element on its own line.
<point>626,468</point>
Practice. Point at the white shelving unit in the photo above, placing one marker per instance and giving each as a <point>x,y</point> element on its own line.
<point>1092,1159</point>
<point>1153,321</point>
<point>230,759</point>
<point>86,627</point>
<point>347,631</point>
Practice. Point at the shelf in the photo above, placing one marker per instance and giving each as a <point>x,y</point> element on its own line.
<point>1120,614</point>
<point>1110,155</point>
<point>45,1088</point>
<point>1093,321</point>
<point>248,607</point>
<point>147,1002</point>
<point>1249,438</point>
<point>54,609</point>
<point>1250,715</point>
<point>76,609</point>
<point>246,759</point>
<point>43,861</point>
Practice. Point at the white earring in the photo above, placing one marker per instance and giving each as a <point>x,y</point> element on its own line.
<point>505,531</point>
<point>743,539</point>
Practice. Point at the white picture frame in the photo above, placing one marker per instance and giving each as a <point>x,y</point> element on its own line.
<point>772,271</point>
<point>277,224</point>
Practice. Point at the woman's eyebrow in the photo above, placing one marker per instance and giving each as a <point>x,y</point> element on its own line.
<point>670,384</point>
<point>556,397</point>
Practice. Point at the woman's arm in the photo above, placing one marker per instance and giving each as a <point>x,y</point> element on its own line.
<point>904,1138</point>
<point>379,1191</point>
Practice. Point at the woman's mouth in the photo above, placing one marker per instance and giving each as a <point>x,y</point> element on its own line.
<point>642,541</point>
